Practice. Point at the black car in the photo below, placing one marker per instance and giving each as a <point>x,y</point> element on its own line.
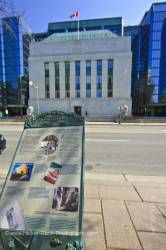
<point>2,143</point>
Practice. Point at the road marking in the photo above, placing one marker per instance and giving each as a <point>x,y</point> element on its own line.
<point>103,140</point>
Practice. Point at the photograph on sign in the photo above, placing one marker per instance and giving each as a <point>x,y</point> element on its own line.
<point>66,199</point>
<point>22,172</point>
<point>49,144</point>
<point>11,217</point>
<point>53,173</point>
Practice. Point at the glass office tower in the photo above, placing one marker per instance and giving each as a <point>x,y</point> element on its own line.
<point>114,24</point>
<point>15,38</point>
<point>149,63</point>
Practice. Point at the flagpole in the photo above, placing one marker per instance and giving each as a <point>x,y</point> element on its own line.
<point>78,27</point>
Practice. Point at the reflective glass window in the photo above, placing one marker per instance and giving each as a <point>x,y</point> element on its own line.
<point>156,45</point>
<point>159,16</point>
<point>156,54</point>
<point>155,90</point>
<point>155,80</point>
<point>99,79</point>
<point>155,71</point>
<point>77,78</point>
<point>156,35</point>
<point>88,78</point>
<point>160,7</point>
<point>110,78</point>
<point>156,63</point>
<point>47,80</point>
<point>157,26</point>
<point>67,79</point>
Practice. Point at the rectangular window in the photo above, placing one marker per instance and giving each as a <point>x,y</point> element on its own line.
<point>156,45</point>
<point>57,80</point>
<point>88,78</point>
<point>156,63</point>
<point>67,79</point>
<point>157,35</point>
<point>110,78</point>
<point>155,71</point>
<point>77,78</point>
<point>99,79</point>
<point>47,80</point>
<point>155,80</point>
<point>159,16</point>
<point>155,53</point>
<point>157,26</point>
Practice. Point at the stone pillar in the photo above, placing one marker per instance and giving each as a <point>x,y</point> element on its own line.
<point>83,79</point>
<point>93,78</point>
<point>72,79</point>
<point>104,78</point>
<point>62,79</point>
<point>52,80</point>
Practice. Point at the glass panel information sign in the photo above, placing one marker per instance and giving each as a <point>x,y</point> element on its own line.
<point>42,191</point>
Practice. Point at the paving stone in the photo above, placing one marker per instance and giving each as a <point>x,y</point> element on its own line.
<point>153,241</point>
<point>91,191</point>
<point>94,232</point>
<point>120,233</point>
<point>108,183</point>
<point>152,194</point>
<point>105,177</point>
<point>152,179</point>
<point>146,217</point>
<point>92,206</point>
<point>118,193</point>
<point>162,208</point>
<point>149,184</point>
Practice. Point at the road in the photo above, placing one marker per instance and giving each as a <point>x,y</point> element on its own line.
<point>126,149</point>
<point>116,149</point>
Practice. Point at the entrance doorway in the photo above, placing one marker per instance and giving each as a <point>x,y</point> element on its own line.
<point>77,110</point>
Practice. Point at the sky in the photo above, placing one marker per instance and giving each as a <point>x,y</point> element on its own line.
<point>38,13</point>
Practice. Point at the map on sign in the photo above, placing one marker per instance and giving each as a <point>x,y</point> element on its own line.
<point>42,192</point>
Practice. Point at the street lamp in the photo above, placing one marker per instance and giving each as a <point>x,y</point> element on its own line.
<point>35,85</point>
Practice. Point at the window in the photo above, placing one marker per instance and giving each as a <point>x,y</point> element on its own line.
<point>156,54</point>
<point>77,79</point>
<point>57,80</point>
<point>47,80</point>
<point>155,90</point>
<point>159,16</point>
<point>110,78</point>
<point>156,63</point>
<point>155,71</point>
<point>88,78</point>
<point>155,80</point>
<point>99,79</point>
<point>156,45</point>
<point>160,7</point>
<point>157,26</point>
<point>156,35</point>
<point>67,79</point>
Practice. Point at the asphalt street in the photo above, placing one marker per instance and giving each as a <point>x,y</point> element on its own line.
<point>115,149</point>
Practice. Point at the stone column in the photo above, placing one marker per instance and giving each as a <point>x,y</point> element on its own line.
<point>93,78</point>
<point>72,79</point>
<point>83,79</point>
<point>104,78</point>
<point>52,80</point>
<point>62,79</point>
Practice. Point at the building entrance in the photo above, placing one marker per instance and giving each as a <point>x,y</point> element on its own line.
<point>77,110</point>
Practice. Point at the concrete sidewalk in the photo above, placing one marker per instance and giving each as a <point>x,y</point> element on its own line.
<point>124,212</point>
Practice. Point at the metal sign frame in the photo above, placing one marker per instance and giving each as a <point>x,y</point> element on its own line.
<point>10,241</point>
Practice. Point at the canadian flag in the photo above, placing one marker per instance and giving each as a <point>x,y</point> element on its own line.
<point>74,14</point>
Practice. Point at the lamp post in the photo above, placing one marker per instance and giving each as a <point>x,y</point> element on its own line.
<point>36,86</point>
